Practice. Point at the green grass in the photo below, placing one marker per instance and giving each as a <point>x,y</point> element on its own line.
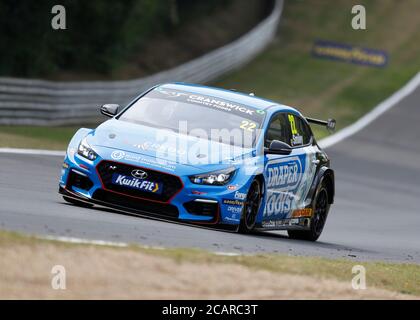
<point>401,278</point>
<point>287,72</point>
<point>52,138</point>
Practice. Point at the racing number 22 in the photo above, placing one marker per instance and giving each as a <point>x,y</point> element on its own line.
<point>248,125</point>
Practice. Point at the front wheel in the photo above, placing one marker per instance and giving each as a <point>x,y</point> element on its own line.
<point>251,207</point>
<point>321,208</point>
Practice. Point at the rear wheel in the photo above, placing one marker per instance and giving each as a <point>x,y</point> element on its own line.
<point>321,208</point>
<point>77,202</point>
<point>251,207</point>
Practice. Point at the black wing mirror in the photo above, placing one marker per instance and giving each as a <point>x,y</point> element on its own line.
<point>110,110</point>
<point>278,147</point>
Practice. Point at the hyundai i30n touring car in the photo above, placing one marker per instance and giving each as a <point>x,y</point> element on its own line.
<point>207,156</point>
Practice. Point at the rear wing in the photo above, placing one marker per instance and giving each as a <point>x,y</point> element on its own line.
<point>330,124</point>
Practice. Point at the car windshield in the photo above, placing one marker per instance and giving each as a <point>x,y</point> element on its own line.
<point>197,115</point>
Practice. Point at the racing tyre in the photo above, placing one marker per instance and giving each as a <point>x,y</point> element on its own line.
<point>78,203</point>
<point>251,207</point>
<point>321,208</point>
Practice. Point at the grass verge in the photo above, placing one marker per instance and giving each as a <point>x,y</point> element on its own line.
<point>105,267</point>
<point>287,72</point>
<point>32,137</point>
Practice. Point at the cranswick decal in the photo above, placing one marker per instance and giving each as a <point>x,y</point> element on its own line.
<point>211,102</point>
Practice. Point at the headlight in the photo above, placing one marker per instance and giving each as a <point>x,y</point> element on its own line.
<point>86,151</point>
<point>216,178</point>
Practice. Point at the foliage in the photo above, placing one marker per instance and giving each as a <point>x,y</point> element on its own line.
<point>99,35</point>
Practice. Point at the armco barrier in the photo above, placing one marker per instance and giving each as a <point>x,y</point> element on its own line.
<point>41,102</point>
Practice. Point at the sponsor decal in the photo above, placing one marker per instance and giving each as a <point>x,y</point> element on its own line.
<point>284,173</point>
<point>117,155</point>
<point>305,212</point>
<point>198,192</point>
<point>232,187</point>
<point>65,165</point>
<point>136,183</point>
<point>268,224</point>
<point>208,101</point>
<point>283,179</point>
<point>281,223</point>
<point>278,203</point>
<point>234,209</point>
<point>232,202</point>
<point>220,104</point>
<point>297,140</point>
<point>231,219</point>
<point>294,221</point>
<point>159,163</point>
<point>348,53</point>
<point>240,195</point>
<point>158,147</point>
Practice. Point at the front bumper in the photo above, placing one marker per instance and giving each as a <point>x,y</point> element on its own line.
<point>85,181</point>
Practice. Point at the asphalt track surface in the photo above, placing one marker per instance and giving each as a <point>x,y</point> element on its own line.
<point>376,215</point>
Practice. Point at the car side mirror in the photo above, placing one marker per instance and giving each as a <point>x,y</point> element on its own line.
<point>110,110</point>
<point>279,147</point>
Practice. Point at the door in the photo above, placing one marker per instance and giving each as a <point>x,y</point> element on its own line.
<point>302,142</point>
<point>287,176</point>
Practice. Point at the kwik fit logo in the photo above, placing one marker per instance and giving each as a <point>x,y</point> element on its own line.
<point>137,183</point>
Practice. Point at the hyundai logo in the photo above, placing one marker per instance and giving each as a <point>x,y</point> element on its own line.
<point>139,174</point>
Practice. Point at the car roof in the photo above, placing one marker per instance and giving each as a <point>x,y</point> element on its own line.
<point>234,96</point>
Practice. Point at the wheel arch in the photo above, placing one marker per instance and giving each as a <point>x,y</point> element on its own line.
<point>330,182</point>
<point>261,180</point>
<point>326,174</point>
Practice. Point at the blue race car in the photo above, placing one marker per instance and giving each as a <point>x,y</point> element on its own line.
<point>206,156</point>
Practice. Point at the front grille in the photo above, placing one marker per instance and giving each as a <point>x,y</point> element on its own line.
<point>79,181</point>
<point>202,208</point>
<point>171,184</point>
<point>160,209</point>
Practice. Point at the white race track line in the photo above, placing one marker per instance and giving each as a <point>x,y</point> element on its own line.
<point>372,115</point>
<point>118,244</point>
<point>84,241</point>
<point>33,152</point>
<point>324,143</point>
